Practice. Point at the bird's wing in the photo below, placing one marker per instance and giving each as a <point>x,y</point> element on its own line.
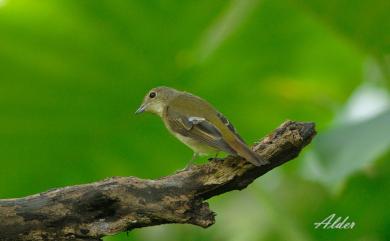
<point>239,145</point>
<point>197,128</point>
<point>229,125</point>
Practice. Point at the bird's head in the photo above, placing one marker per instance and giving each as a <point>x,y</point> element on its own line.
<point>157,99</point>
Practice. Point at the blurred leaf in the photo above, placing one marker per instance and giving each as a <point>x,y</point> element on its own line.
<point>345,149</point>
<point>229,21</point>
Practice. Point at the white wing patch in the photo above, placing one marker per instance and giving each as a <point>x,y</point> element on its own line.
<point>195,120</point>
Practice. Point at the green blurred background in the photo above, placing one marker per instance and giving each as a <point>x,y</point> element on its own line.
<point>72,73</point>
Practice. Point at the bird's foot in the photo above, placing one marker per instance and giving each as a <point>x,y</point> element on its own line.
<point>215,159</point>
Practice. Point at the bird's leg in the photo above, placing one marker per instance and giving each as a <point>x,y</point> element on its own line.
<point>189,165</point>
<point>215,157</point>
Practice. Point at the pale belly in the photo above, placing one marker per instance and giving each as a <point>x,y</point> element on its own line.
<point>196,146</point>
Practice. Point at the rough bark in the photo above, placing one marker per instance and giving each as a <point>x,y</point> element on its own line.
<point>117,204</point>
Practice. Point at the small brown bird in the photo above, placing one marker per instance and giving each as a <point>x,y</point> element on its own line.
<point>196,123</point>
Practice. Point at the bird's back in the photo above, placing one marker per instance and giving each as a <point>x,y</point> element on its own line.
<point>194,107</point>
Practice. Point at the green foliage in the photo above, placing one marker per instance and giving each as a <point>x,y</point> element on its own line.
<point>73,72</point>
<point>340,151</point>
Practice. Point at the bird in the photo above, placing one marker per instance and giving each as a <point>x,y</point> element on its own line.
<point>197,124</point>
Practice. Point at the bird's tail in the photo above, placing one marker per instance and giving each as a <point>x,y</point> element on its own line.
<point>244,151</point>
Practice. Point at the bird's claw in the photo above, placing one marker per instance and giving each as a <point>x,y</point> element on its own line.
<point>215,159</point>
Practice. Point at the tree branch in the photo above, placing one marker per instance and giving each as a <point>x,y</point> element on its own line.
<point>117,204</point>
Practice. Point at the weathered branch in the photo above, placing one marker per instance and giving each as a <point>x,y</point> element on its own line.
<point>91,211</point>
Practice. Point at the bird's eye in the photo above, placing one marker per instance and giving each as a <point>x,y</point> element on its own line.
<point>152,94</point>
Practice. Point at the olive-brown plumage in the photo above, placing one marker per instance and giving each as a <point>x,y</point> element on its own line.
<point>197,123</point>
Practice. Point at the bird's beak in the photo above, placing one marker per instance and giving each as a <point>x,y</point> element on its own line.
<point>141,109</point>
